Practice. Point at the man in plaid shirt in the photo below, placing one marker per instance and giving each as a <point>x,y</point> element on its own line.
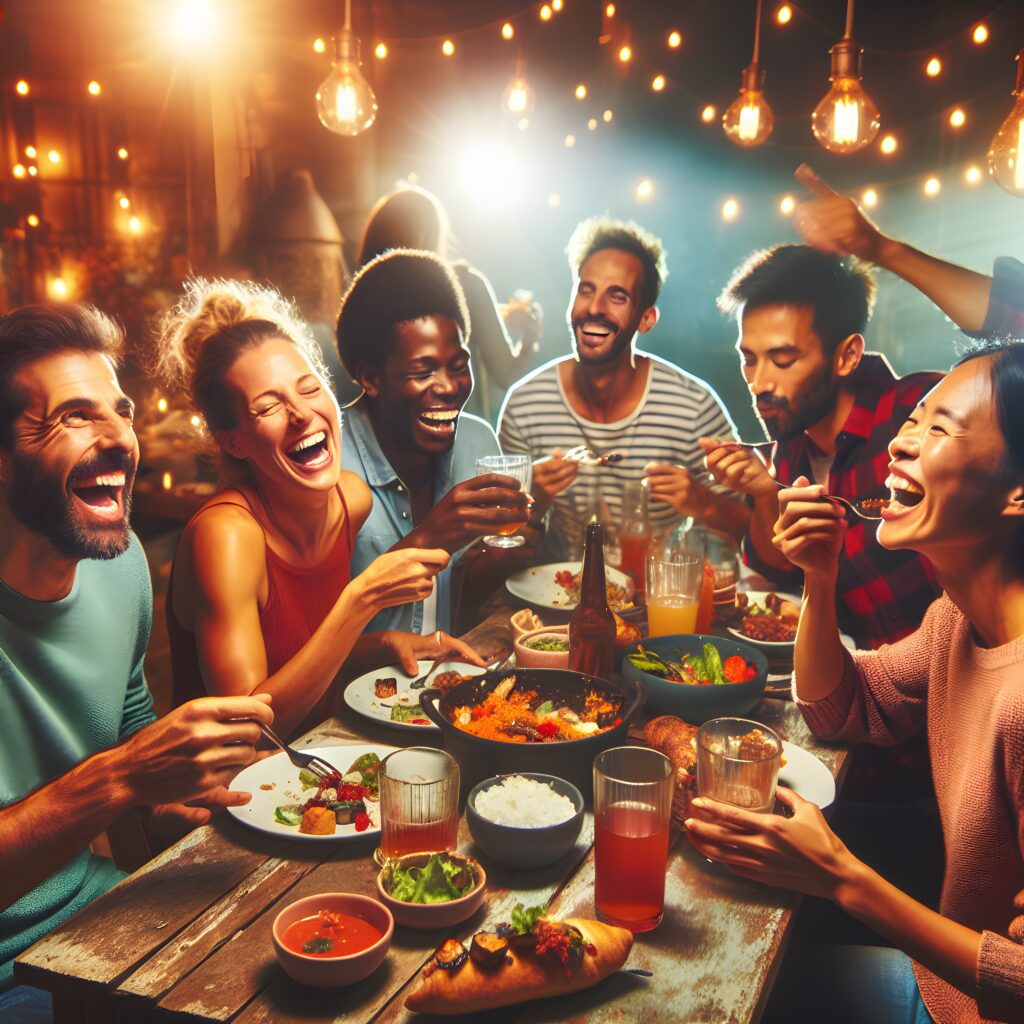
<point>832,410</point>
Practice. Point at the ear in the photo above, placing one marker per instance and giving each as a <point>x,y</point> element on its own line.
<point>1014,502</point>
<point>367,378</point>
<point>648,318</point>
<point>229,443</point>
<point>848,355</point>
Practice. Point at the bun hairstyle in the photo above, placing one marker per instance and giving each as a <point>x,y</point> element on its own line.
<point>213,323</point>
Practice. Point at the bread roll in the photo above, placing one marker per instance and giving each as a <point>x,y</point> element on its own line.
<point>675,739</point>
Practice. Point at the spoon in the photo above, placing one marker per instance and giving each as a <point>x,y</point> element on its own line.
<point>588,457</point>
<point>866,508</point>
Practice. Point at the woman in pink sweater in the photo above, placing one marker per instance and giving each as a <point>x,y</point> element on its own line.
<point>957,482</point>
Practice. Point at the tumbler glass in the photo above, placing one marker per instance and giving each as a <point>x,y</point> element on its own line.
<point>673,595</point>
<point>520,467</point>
<point>419,801</point>
<point>738,763</point>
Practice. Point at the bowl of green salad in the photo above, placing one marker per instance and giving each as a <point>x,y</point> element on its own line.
<point>431,890</point>
<point>543,648</point>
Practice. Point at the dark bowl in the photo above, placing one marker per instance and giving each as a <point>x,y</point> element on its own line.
<point>524,846</point>
<point>481,758</point>
<point>698,704</point>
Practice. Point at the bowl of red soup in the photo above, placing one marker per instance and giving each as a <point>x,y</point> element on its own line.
<point>334,939</point>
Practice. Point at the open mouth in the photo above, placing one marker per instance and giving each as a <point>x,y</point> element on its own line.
<point>102,494</point>
<point>595,332</point>
<point>441,421</point>
<point>903,493</point>
<point>311,452</point>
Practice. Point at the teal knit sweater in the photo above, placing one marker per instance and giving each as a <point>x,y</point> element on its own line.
<point>71,684</point>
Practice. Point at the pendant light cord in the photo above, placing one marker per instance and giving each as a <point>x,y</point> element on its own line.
<point>757,33</point>
<point>848,34</point>
<point>348,15</point>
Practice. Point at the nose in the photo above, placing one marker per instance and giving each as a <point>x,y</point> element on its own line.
<point>117,431</point>
<point>445,384</point>
<point>907,442</point>
<point>758,379</point>
<point>299,411</point>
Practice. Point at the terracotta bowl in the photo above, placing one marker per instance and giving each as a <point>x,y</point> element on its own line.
<point>526,657</point>
<point>334,971</point>
<point>431,915</point>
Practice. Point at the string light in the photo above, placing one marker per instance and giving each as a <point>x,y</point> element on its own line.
<point>21,88</point>
<point>889,144</point>
<point>932,186</point>
<point>748,120</point>
<point>973,175</point>
<point>32,220</point>
<point>607,116</point>
<point>658,83</point>
<point>58,288</point>
<point>730,209</point>
<point>581,91</point>
<point>570,141</point>
<point>644,190</point>
<point>933,68</point>
<point>380,51</point>
<point>195,421</point>
<point>94,88</point>
<point>523,123</point>
<point>980,34</point>
<point>609,10</point>
<point>53,156</point>
<point>134,225</point>
<point>18,170</point>
<point>122,153</point>
<point>787,204</point>
<point>33,170</point>
<point>508,31</point>
<point>554,200</point>
<point>869,198</point>
<point>592,124</point>
<point>545,13</point>
<point>319,45</point>
<point>846,119</point>
<point>708,114</point>
<point>30,152</point>
<point>448,48</point>
<point>557,5</point>
<point>784,15</point>
<point>517,97</point>
<point>625,54</point>
<point>675,40</point>
<point>1006,150</point>
<point>124,202</point>
<point>167,481</point>
<point>957,117</point>
<point>345,103</point>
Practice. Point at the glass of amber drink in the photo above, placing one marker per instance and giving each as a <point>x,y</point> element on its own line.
<point>419,802</point>
<point>738,763</point>
<point>519,467</point>
<point>673,595</point>
<point>632,807</point>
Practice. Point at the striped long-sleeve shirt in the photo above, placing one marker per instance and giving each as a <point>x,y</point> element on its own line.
<point>675,410</point>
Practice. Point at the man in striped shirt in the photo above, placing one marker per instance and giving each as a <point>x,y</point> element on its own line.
<point>609,397</point>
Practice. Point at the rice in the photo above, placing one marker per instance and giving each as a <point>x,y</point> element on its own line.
<point>523,803</point>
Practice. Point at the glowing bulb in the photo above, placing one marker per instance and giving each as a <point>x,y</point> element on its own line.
<point>846,119</point>
<point>749,120</point>
<point>122,153</point>
<point>675,40</point>
<point>33,171</point>
<point>1006,151</point>
<point>708,114</point>
<point>658,83</point>
<point>319,45</point>
<point>22,87</point>
<point>570,141</point>
<point>30,152</point>
<point>134,225</point>
<point>625,54</point>
<point>380,51</point>
<point>973,175</point>
<point>958,118</point>
<point>787,204</point>
<point>933,68</point>
<point>53,156</point>
<point>644,190</point>
<point>592,125</point>
<point>167,481</point>
<point>980,34</point>
<point>730,209</point>
<point>33,220</point>
<point>932,186</point>
<point>345,103</point>
<point>508,31</point>
<point>784,15</point>
<point>412,177</point>
<point>557,5</point>
<point>94,88</point>
<point>448,48</point>
<point>195,421</point>
<point>581,91</point>
<point>609,10</point>
<point>161,405</point>
<point>888,145</point>
<point>869,198</point>
<point>58,288</point>
<point>554,200</point>
<point>545,13</point>
<point>124,202</point>
<point>18,170</point>
<point>523,123</point>
<point>195,21</point>
<point>517,97</point>
<point>607,116</point>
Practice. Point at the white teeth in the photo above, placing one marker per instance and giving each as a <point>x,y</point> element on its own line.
<point>307,442</point>
<point>440,415</point>
<point>106,480</point>
<point>897,482</point>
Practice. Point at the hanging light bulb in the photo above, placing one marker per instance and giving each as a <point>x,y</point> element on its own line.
<point>345,103</point>
<point>517,97</point>
<point>846,119</point>
<point>1006,151</point>
<point>749,120</point>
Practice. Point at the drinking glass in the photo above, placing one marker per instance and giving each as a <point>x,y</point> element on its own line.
<point>635,533</point>
<point>738,763</point>
<point>520,467</point>
<point>632,807</point>
<point>419,801</point>
<point>673,595</point>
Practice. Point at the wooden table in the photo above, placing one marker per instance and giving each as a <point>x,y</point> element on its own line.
<point>187,937</point>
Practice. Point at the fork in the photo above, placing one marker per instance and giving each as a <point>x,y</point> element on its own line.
<point>588,457</point>
<point>314,765</point>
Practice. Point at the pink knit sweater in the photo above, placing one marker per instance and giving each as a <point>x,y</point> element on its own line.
<point>971,700</point>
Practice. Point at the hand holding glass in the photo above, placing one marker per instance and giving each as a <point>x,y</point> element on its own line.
<point>520,467</point>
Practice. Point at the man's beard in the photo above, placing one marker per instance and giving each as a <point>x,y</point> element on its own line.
<point>622,338</point>
<point>815,402</point>
<point>43,504</point>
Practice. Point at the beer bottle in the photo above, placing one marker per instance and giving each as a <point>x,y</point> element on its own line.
<point>592,626</point>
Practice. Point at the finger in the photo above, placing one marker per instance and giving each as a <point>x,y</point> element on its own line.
<point>792,800</point>
<point>747,821</point>
<point>428,556</point>
<point>463,649</point>
<point>410,664</point>
<point>807,177</point>
<point>709,444</point>
<point>221,796</point>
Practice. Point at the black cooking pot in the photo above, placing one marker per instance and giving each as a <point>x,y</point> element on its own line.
<point>480,758</point>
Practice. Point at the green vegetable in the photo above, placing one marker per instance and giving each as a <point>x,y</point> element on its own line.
<point>524,919</point>
<point>549,643</point>
<point>318,945</point>
<point>290,814</point>
<point>545,709</point>
<point>440,880</point>
<point>364,764</point>
<point>696,666</point>
<point>403,712</point>
<point>713,660</point>
<point>648,662</point>
<point>307,779</point>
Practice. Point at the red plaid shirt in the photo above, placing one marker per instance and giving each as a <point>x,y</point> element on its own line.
<point>882,595</point>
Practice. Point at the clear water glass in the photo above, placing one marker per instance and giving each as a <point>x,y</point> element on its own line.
<point>520,467</point>
<point>736,767</point>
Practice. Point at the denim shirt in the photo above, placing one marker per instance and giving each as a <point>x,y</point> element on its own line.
<point>390,517</point>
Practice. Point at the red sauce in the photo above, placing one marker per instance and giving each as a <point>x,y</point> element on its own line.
<point>344,933</point>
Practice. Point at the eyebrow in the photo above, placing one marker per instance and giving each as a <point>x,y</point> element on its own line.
<point>124,402</point>
<point>786,347</point>
<point>950,415</point>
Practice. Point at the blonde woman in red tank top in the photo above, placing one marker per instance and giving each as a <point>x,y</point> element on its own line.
<point>260,597</point>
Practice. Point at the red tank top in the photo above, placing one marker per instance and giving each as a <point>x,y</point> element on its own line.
<point>298,600</point>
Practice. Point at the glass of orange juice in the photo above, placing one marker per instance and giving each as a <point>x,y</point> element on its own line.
<point>673,595</point>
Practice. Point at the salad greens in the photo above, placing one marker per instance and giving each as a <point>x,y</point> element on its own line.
<point>524,919</point>
<point>705,668</point>
<point>406,712</point>
<point>440,880</point>
<point>288,815</point>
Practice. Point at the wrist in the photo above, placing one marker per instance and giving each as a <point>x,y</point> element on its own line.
<point>111,780</point>
<point>888,252</point>
<point>821,582</point>
<point>853,881</point>
<point>356,602</point>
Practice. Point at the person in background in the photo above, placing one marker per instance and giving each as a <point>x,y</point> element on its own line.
<point>982,306</point>
<point>609,397</point>
<point>832,410</point>
<point>956,480</point>
<point>78,743</point>
<point>401,336</point>
<point>262,594</point>
<point>503,339</point>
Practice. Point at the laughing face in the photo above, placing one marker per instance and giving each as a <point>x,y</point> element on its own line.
<point>948,480</point>
<point>286,418</point>
<point>74,456</point>
<point>607,308</point>
<point>420,390</point>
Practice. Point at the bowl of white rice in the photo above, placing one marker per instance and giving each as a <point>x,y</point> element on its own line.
<point>525,820</point>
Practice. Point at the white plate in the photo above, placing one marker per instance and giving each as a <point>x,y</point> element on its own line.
<point>279,772</point>
<point>807,776</point>
<point>359,695</point>
<point>537,585</point>
<point>768,646</point>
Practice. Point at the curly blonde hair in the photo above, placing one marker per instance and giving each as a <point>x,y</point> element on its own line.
<point>214,322</point>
